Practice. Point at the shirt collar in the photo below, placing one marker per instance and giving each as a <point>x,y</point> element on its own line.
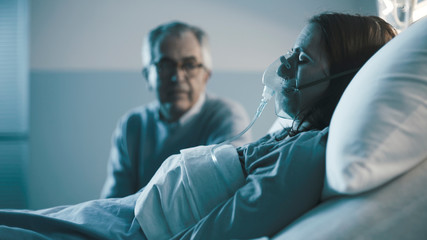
<point>193,111</point>
<point>186,117</point>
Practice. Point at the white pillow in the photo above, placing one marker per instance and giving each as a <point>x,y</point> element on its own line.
<point>379,128</point>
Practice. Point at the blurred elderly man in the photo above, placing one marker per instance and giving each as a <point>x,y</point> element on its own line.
<point>177,66</point>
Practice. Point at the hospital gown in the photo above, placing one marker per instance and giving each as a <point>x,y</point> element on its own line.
<point>285,179</point>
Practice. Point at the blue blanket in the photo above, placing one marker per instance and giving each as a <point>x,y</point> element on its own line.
<point>97,219</point>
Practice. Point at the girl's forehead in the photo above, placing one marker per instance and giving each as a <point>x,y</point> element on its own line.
<point>309,39</point>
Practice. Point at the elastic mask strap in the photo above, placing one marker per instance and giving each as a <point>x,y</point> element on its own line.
<point>338,75</point>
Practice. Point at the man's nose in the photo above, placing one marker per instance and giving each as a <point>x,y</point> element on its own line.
<point>178,75</point>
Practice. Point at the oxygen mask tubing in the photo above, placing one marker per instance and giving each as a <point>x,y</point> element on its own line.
<point>272,84</point>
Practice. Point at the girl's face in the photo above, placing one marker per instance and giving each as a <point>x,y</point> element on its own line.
<point>311,64</point>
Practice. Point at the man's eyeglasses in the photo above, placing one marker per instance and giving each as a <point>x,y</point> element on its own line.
<point>167,67</point>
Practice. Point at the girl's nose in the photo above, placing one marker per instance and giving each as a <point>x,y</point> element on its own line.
<point>288,67</point>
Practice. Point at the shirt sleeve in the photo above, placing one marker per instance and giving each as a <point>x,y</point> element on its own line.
<point>281,186</point>
<point>121,175</point>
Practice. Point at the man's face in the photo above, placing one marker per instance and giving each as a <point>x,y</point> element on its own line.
<point>177,75</point>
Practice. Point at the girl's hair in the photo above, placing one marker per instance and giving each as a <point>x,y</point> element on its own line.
<point>349,41</point>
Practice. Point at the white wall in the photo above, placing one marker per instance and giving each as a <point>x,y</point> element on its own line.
<point>246,35</point>
<point>85,64</point>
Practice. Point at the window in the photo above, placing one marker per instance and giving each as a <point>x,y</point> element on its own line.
<point>13,102</point>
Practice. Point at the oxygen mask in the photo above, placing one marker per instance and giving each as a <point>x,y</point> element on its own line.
<point>279,79</point>
<point>272,84</point>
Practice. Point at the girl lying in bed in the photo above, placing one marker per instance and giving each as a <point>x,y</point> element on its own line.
<point>251,191</point>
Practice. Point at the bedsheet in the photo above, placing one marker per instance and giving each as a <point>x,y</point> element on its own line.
<point>96,219</point>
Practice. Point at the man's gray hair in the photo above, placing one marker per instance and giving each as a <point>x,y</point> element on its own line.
<point>175,28</point>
